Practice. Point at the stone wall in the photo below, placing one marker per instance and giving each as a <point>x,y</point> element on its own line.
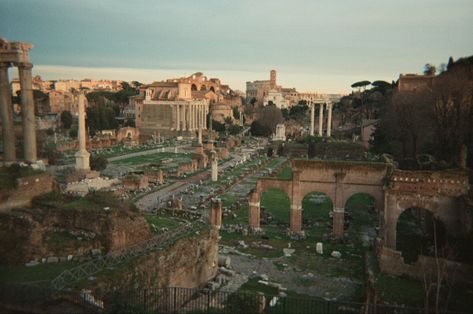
<point>24,233</point>
<point>189,263</point>
<point>391,262</point>
<point>27,188</point>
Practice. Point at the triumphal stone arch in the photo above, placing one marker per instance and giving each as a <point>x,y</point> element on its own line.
<point>440,192</point>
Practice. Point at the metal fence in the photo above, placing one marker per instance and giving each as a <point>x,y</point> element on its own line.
<point>183,300</point>
<point>84,271</point>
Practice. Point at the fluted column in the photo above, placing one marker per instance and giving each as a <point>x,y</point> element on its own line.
<point>321,119</point>
<point>183,118</point>
<point>312,118</point>
<point>177,118</point>
<point>6,114</point>
<point>27,110</point>
<point>329,119</point>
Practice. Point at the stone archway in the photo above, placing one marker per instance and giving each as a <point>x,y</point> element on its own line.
<point>417,230</point>
<point>316,209</point>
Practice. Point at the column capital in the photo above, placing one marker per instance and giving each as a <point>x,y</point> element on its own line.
<point>4,65</point>
<point>25,66</point>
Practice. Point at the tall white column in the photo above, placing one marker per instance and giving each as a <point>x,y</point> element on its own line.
<point>183,117</point>
<point>214,165</point>
<point>329,119</point>
<point>312,118</point>
<point>6,113</point>
<point>178,118</point>
<point>321,119</point>
<point>82,156</point>
<point>27,111</point>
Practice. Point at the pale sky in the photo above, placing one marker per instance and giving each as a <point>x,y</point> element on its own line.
<point>315,45</point>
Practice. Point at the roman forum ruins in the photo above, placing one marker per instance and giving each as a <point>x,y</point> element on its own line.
<point>16,54</point>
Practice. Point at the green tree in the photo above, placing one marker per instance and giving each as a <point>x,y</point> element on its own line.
<point>429,69</point>
<point>66,119</point>
<point>236,113</point>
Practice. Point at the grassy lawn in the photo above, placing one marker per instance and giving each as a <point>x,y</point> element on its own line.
<point>286,173</point>
<point>22,274</point>
<point>161,221</point>
<point>276,203</point>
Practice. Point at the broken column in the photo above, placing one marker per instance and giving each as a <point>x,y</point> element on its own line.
<point>329,119</point>
<point>241,119</point>
<point>82,155</point>
<point>199,140</point>
<point>338,218</point>
<point>27,110</point>
<point>6,114</point>
<point>214,164</point>
<point>312,118</point>
<point>216,212</point>
<point>321,119</point>
<point>254,211</point>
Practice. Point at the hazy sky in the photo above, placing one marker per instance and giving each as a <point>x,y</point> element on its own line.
<point>315,45</point>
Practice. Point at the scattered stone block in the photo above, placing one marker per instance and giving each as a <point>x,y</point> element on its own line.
<point>336,254</point>
<point>52,259</point>
<point>288,252</point>
<point>264,277</point>
<point>31,263</point>
<point>227,272</point>
<point>319,248</point>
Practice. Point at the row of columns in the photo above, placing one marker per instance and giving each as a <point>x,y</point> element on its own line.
<point>189,117</point>
<point>321,118</point>
<point>27,110</point>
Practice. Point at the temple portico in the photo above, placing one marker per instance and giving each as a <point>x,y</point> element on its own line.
<point>16,54</point>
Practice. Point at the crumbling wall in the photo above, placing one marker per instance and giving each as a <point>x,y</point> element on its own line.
<point>188,263</point>
<point>27,188</point>
<point>23,233</point>
<point>391,262</point>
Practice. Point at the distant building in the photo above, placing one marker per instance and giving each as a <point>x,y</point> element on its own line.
<point>415,82</point>
<point>177,106</point>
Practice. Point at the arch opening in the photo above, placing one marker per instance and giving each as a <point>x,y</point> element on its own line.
<point>418,232</point>
<point>316,209</point>
<point>193,87</point>
<point>212,89</point>
<point>275,207</point>
<point>361,219</point>
<point>203,87</point>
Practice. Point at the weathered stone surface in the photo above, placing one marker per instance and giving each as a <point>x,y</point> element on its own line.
<point>336,254</point>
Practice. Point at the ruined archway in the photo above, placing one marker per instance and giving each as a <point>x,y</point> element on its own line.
<point>361,219</point>
<point>212,89</point>
<point>316,209</point>
<point>193,87</point>
<point>203,87</point>
<point>275,207</point>
<point>419,232</point>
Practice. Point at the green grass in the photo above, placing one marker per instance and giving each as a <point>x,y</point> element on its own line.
<point>400,290</point>
<point>61,239</point>
<point>22,274</point>
<point>286,173</point>
<point>161,221</point>
<point>277,203</point>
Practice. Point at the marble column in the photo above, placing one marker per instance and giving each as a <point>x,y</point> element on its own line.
<point>321,120</point>
<point>178,118</point>
<point>214,164</point>
<point>183,117</point>
<point>82,156</point>
<point>27,110</point>
<point>329,119</point>
<point>312,118</point>
<point>6,114</point>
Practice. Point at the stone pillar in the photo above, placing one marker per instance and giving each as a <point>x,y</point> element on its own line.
<point>329,119</point>
<point>254,211</point>
<point>27,110</point>
<point>216,213</point>
<point>178,118</point>
<point>321,120</point>
<point>338,218</point>
<point>241,119</point>
<point>312,118</point>
<point>296,205</point>
<point>214,164</point>
<point>82,156</point>
<point>199,137</point>
<point>183,118</point>
<point>191,117</point>
<point>6,114</point>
